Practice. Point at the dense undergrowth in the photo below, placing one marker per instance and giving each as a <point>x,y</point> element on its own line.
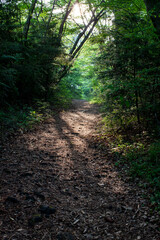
<point>138,154</point>
<point>26,117</point>
<point>19,119</point>
<point>143,161</point>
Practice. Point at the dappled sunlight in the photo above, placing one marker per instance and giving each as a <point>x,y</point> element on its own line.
<point>64,169</point>
<point>64,138</point>
<point>58,165</point>
<point>113,183</point>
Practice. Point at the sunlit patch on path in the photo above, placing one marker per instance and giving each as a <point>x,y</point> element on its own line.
<point>55,184</point>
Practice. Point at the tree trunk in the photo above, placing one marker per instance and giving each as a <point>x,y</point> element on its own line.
<point>75,50</point>
<point>28,22</point>
<point>50,17</point>
<point>153,9</point>
<point>68,10</point>
<point>136,90</point>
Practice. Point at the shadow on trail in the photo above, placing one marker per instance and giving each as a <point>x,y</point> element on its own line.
<point>60,166</point>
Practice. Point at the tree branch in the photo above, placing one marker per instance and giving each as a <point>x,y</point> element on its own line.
<point>75,49</point>
<point>68,10</point>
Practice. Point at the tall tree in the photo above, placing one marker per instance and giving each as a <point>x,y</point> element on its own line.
<point>153,9</point>
<point>128,66</point>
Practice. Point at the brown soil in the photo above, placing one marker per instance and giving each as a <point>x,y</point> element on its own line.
<point>58,167</point>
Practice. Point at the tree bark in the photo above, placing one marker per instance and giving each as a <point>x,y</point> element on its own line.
<point>94,20</point>
<point>68,10</point>
<point>153,9</point>
<point>28,22</point>
<point>80,35</point>
<point>76,50</point>
<point>50,17</point>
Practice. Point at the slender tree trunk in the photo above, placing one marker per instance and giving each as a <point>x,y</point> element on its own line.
<point>78,44</point>
<point>46,87</point>
<point>80,35</point>
<point>137,107</point>
<point>50,17</point>
<point>68,10</point>
<point>74,51</point>
<point>136,91</point>
<point>28,22</point>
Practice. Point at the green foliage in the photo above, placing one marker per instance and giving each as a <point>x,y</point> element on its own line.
<point>61,95</point>
<point>15,118</point>
<point>137,155</point>
<point>28,67</point>
<point>128,69</point>
<point>127,87</point>
<point>81,77</point>
<point>73,82</point>
<point>145,163</point>
<point>24,118</point>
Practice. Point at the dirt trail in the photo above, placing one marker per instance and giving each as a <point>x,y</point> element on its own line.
<point>56,185</point>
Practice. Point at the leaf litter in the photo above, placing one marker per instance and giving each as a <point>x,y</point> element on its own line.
<point>57,184</point>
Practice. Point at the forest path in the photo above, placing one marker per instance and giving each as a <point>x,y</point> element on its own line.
<point>56,185</point>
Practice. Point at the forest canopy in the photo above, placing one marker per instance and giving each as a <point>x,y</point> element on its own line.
<point>103,50</point>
